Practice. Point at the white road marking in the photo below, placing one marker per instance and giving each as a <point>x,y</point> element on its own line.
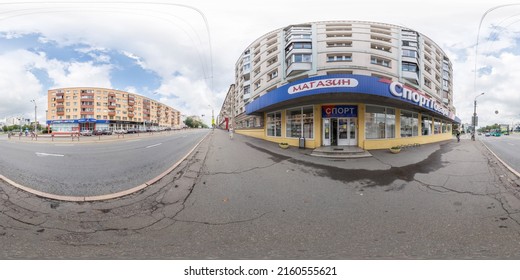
<point>135,140</point>
<point>151,146</point>
<point>48,155</point>
<point>64,145</point>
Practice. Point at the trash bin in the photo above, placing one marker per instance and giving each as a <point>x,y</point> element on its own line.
<point>302,143</point>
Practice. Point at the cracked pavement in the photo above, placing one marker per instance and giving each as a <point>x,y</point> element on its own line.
<point>246,199</point>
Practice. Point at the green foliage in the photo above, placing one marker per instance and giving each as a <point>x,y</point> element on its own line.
<point>193,123</point>
<point>489,128</point>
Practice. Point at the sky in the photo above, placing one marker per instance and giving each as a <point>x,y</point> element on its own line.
<point>183,53</point>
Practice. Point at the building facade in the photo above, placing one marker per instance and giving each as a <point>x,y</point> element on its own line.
<point>366,84</point>
<point>88,108</point>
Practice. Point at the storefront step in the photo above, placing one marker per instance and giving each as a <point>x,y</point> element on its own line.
<point>338,152</point>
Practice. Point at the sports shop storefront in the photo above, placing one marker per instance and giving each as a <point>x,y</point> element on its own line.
<point>77,125</point>
<point>350,110</point>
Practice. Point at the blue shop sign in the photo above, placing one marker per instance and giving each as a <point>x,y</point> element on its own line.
<point>339,111</point>
<point>345,84</point>
<point>87,120</point>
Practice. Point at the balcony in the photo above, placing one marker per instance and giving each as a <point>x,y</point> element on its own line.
<point>60,113</point>
<point>130,114</point>
<point>111,113</point>
<point>112,105</point>
<point>60,100</point>
<point>130,109</point>
<point>298,67</point>
<point>87,98</point>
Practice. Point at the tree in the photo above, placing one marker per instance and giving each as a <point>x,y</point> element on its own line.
<point>194,123</point>
<point>189,122</point>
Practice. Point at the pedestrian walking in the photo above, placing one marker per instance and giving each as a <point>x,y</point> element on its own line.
<point>458,135</point>
<point>231,133</point>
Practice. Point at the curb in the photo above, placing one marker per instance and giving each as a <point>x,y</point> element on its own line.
<point>105,196</point>
<point>501,161</point>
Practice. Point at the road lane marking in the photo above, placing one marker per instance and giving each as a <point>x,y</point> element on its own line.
<point>135,140</point>
<point>151,146</point>
<point>48,155</point>
<point>64,145</point>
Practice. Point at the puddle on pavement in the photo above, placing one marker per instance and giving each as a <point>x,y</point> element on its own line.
<point>369,178</point>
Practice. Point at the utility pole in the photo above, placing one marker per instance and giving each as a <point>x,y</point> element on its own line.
<point>35,116</point>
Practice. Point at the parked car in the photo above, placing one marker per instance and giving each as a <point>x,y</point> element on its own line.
<point>97,132</point>
<point>487,134</point>
<point>120,131</point>
<point>86,133</point>
<point>132,130</point>
<point>107,132</point>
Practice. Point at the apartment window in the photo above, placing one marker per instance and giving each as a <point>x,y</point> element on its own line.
<point>339,57</point>
<point>257,71</point>
<point>409,53</point>
<point>272,75</point>
<point>409,124</point>
<point>247,89</point>
<point>427,69</point>
<point>380,38</point>
<point>299,58</point>
<point>410,67</point>
<point>274,124</point>
<point>257,84</point>
<point>339,35</point>
<point>379,122</point>
<point>339,44</point>
<point>298,45</point>
<point>272,60</point>
<point>246,67</point>
<point>380,61</point>
<point>270,51</point>
<point>409,44</point>
<point>427,83</point>
<point>381,47</point>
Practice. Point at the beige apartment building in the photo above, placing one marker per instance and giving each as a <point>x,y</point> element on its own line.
<point>89,108</point>
<point>342,83</point>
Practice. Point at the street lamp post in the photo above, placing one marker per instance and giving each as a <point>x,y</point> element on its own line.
<point>474,121</point>
<point>35,119</point>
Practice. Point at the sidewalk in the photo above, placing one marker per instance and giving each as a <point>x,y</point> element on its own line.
<point>380,160</point>
<point>469,163</point>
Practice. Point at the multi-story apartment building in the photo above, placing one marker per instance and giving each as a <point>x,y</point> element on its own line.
<point>88,108</point>
<point>366,84</point>
<point>224,118</point>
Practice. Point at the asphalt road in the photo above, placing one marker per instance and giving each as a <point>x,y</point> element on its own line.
<point>507,147</point>
<point>91,169</point>
<point>247,199</point>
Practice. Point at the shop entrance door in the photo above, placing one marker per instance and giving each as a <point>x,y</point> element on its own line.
<point>339,132</point>
<point>347,133</point>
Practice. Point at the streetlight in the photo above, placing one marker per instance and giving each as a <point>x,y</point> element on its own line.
<point>475,117</point>
<point>35,119</point>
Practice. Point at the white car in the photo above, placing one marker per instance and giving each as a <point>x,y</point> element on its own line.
<point>86,133</point>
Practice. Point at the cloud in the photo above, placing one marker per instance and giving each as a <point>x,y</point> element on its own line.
<point>172,42</point>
